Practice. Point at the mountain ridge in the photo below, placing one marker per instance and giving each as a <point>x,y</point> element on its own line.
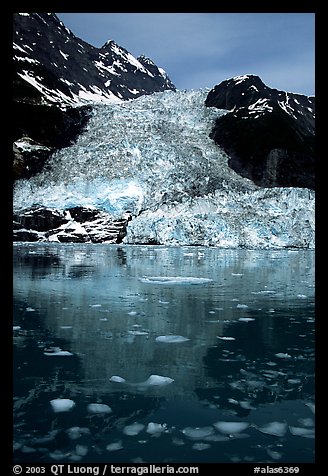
<point>66,70</point>
<point>268,134</point>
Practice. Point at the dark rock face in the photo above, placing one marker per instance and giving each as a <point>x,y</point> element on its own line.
<point>52,63</point>
<point>268,134</point>
<point>39,130</point>
<point>74,225</point>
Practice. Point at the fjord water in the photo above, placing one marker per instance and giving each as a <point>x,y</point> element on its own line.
<point>134,354</point>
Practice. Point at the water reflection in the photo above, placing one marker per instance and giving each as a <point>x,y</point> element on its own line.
<point>86,328</point>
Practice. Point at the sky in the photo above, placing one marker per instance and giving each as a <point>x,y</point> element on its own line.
<point>199,50</point>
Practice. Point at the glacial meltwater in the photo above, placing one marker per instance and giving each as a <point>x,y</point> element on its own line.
<point>126,353</point>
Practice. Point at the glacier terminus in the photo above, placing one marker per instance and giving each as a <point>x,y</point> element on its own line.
<point>152,159</point>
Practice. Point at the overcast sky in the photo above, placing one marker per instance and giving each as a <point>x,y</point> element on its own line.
<point>199,50</point>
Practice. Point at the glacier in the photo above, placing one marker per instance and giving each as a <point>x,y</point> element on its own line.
<point>152,157</point>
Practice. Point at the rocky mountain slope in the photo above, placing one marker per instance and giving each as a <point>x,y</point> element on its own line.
<point>268,134</point>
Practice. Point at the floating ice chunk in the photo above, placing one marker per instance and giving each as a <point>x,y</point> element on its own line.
<point>274,454</point>
<point>56,351</point>
<point>99,408</point>
<point>134,429</point>
<point>309,422</point>
<point>177,442</point>
<point>265,291</point>
<point>117,378</point>
<point>246,405</point>
<point>242,306</point>
<point>114,446</point>
<point>237,274</point>
<point>16,328</point>
<point>58,455</point>
<point>132,313</point>
<point>95,305</point>
<point>174,280</point>
<point>275,428</point>
<point>225,338</point>
<point>198,433</point>
<point>156,428</point>
<point>302,296</point>
<point>299,431</point>
<point>231,427</point>
<point>171,339</point>
<point>76,432</point>
<point>139,333</point>
<point>28,449</point>
<point>29,309</point>
<point>294,381</point>
<point>246,319</point>
<point>66,327</point>
<point>200,446</point>
<point>81,450</point>
<point>282,355</point>
<point>62,404</point>
<point>158,380</point>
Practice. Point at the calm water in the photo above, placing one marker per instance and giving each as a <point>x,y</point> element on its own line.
<point>154,354</point>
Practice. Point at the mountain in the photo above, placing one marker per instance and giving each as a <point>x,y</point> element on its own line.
<point>268,134</point>
<point>57,76</point>
<point>54,66</point>
<point>106,150</point>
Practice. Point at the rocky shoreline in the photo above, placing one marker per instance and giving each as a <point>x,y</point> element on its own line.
<point>74,225</point>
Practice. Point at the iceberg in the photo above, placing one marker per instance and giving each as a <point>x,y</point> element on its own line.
<point>169,339</point>
<point>99,408</point>
<point>275,428</point>
<point>231,427</point>
<point>62,404</point>
<point>174,280</point>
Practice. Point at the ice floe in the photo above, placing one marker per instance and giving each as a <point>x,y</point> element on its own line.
<point>62,404</point>
<point>231,427</point>
<point>138,333</point>
<point>99,408</point>
<point>299,431</point>
<point>152,380</point>
<point>225,338</point>
<point>81,450</point>
<point>174,280</point>
<point>246,319</point>
<point>275,428</point>
<point>198,433</point>
<point>56,351</point>
<point>200,446</point>
<point>156,429</point>
<point>155,380</point>
<point>76,432</point>
<point>133,429</point>
<point>117,378</point>
<point>171,339</point>
<point>283,355</point>
<point>115,446</point>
